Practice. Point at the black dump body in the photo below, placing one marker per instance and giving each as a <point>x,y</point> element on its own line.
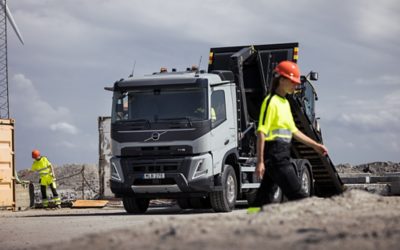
<point>252,67</point>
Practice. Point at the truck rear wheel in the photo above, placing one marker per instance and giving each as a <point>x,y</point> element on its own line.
<point>224,200</point>
<point>305,181</point>
<point>276,196</point>
<point>134,205</point>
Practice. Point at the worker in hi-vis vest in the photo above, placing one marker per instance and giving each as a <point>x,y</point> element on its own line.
<point>42,165</point>
<point>274,134</point>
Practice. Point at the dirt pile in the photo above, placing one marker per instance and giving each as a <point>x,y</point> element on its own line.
<point>354,220</point>
<point>74,181</point>
<point>375,168</point>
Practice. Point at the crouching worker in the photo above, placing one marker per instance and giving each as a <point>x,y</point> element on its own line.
<point>46,173</point>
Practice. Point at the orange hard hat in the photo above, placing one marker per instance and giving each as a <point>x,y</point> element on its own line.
<point>35,154</point>
<point>289,70</point>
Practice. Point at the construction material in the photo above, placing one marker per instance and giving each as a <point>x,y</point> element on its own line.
<point>7,186</point>
<point>387,184</point>
<point>105,154</point>
<point>24,196</point>
<point>89,203</point>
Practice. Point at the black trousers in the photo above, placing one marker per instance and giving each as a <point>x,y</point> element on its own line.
<point>43,189</point>
<point>278,170</point>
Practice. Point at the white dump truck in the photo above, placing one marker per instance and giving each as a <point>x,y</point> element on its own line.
<point>191,135</point>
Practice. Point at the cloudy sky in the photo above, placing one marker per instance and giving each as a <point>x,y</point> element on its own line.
<point>74,48</point>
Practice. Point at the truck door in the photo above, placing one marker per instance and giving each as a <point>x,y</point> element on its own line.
<point>223,122</point>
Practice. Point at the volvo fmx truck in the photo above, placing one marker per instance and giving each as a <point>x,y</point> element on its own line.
<point>191,135</point>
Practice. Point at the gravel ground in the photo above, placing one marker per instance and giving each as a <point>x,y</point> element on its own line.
<point>354,220</point>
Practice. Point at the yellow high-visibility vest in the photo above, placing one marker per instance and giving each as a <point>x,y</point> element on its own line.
<point>43,167</point>
<point>276,120</point>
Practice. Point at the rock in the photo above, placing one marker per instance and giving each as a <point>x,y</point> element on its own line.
<point>376,168</point>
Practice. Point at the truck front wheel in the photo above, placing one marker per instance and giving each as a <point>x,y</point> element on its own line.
<point>134,205</point>
<point>224,200</point>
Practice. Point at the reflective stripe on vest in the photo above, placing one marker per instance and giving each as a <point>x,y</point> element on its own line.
<point>280,134</point>
<point>43,171</point>
<point>288,140</point>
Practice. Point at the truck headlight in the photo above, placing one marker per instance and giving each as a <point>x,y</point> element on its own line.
<point>115,175</point>
<point>200,169</point>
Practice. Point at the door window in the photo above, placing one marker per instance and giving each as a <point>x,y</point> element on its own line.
<point>218,108</point>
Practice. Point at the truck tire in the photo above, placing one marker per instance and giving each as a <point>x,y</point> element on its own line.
<point>224,200</point>
<point>305,179</point>
<point>134,205</point>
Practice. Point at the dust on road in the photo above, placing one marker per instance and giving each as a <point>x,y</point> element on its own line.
<point>354,220</point>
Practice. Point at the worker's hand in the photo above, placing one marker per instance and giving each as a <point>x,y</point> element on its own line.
<point>321,149</point>
<point>260,169</point>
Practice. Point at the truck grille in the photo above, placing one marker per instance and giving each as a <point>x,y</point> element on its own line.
<point>153,168</point>
<point>139,167</point>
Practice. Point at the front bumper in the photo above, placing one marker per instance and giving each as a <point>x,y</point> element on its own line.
<point>181,177</point>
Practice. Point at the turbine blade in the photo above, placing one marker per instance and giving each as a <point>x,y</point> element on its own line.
<point>13,24</point>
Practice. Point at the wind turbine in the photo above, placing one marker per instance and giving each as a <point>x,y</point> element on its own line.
<point>5,14</point>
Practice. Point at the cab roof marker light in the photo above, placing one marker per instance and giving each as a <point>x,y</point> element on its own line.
<point>211,58</point>
<point>296,54</point>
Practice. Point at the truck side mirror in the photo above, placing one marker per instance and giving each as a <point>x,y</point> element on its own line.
<point>313,76</point>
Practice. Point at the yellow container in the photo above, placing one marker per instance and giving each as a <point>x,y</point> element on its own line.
<point>7,183</point>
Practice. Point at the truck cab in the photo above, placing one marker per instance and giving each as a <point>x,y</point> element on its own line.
<point>171,134</point>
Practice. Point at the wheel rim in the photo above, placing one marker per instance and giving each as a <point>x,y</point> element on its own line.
<point>305,183</point>
<point>230,189</point>
<point>277,193</point>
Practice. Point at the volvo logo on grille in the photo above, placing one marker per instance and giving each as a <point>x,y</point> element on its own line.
<point>155,136</point>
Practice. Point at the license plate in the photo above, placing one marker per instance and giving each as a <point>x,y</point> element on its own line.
<point>154,176</point>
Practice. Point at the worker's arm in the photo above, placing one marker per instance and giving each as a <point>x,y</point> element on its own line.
<point>298,135</point>
<point>260,167</point>
<point>52,171</point>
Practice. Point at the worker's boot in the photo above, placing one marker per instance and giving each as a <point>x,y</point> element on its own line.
<point>45,203</point>
<point>57,202</point>
<point>254,210</point>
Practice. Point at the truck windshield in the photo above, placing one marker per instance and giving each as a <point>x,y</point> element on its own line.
<point>160,105</point>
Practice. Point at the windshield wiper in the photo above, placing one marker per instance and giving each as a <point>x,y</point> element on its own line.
<point>136,121</point>
<point>177,118</point>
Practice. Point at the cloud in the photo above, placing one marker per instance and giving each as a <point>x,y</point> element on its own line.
<point>363,129</point>
<point>379,114</point>
<point>383,80</point>
<point>67,144</point>
<point>90,44</point>
<point>378,21</point>
<point>30,108</point>
<point>64,127</point>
